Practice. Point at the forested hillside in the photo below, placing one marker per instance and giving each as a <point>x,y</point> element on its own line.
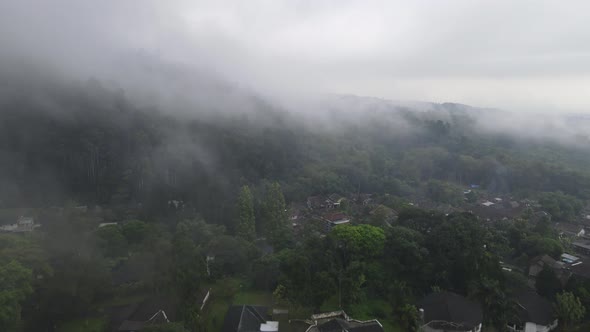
<point>91,144</point>
<point>137,203</point>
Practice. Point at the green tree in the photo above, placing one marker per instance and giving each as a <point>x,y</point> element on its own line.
<point>358,242</point>
<point>561,207</point>
<point>444,192</point>
<point>379,216</point>
<point>188,265</point>
<point>547,283</point>
<point>569,309</point>
<point>15,286</point>
<point>493,299</point>
<point>408,317</point>
<point>112,241</point>
<point>321,288</point>
<point>457,250</point>
<point>233,256</point>
<point>135,231</point>
<point>246,223</point>
<point>275,215</point>
<point>405,256</point>
<point>77,284</point>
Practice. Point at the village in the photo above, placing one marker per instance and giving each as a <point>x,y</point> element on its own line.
<point>321,214</point>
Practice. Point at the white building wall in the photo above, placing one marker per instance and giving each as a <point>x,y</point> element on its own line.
<point>426,328</point>
<point>532,327</point>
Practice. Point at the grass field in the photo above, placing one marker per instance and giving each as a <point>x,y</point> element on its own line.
<point>253,297</point>
<point>87,325</point>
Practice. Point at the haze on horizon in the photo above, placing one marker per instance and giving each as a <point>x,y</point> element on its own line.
<point>524,56</point>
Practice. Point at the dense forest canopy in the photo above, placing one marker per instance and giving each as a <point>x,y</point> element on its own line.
<point>88,142</point>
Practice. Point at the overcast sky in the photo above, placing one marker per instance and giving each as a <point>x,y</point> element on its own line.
<point>520,55</point>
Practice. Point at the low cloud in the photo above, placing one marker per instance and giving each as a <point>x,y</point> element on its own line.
<point>525,56</point>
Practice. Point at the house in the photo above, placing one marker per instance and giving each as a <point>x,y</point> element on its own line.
<point>295,215</point>
<point>582,246</point>
<point>248,318</point>
<point>335,200</point>
<point>570,230</point>
<point>545,261</point>
<point>318,203</point>
<point>22,225</point>
<point>135,317</point>
<point>580,269</point>
<point>490,211</point>
<point>335,219</point>
<point>446,311</point>
<point>533,314</point>
<point>364,199</point>
<point>338,321</point>
<point>569,259</point>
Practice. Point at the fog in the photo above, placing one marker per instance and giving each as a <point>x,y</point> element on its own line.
<point>529,59</point>
<point>530,55</point>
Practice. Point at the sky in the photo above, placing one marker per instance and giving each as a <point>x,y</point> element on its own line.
<point>516,55</point>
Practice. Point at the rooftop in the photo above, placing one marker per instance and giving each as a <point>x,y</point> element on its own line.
<point>336,217</point>
<point>338,321</point>
<point>567,258</point>
<point>582,244</point>
<point>580,269</point>
<point>534,308</point>
<point>450,312</point>
<point>245,318</point>
<point>568,227</point>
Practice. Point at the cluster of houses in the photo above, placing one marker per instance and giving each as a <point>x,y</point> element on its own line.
<point>447,311</point>
<point>326,209</point>
<point>566,267</point>
<point>329,210</point>
<point>248,318</point>
<point>499,208</point>
<point>438,312</point>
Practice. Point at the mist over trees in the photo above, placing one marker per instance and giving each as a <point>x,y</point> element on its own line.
<point>91,144</point>
<point>198,198</point>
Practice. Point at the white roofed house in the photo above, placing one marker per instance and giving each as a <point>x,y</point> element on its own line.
<point>533,313</point>
<point>337,321</point>
<point>335,219</point>
<point>569,229</point>
<point>335,200</point>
